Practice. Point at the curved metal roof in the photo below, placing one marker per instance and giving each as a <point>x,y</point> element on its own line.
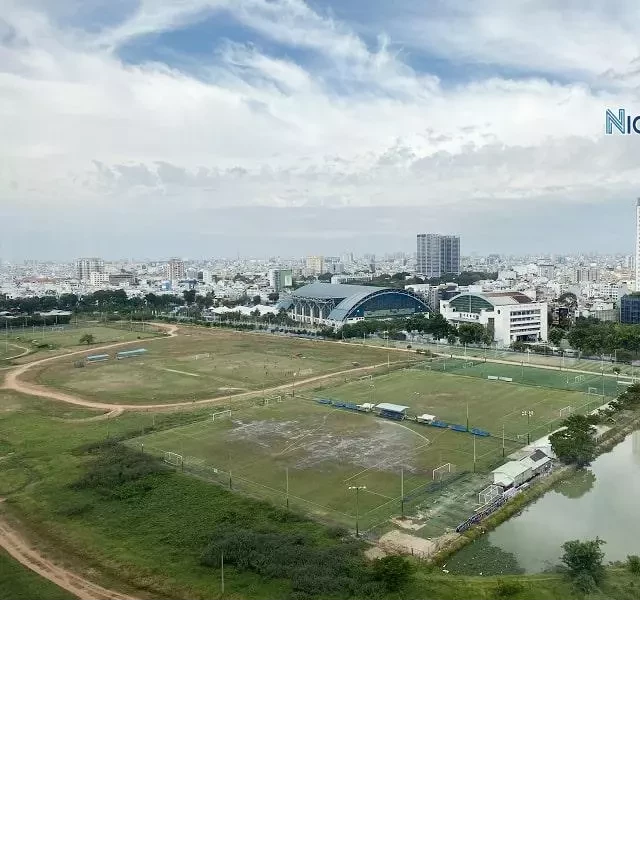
<point>327,290</point>
<point>342,311</point>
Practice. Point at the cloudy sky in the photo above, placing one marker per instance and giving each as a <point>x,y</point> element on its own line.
<point>140,128</point>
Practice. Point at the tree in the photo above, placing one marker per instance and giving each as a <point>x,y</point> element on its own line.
<point>584,563</point>
<point>633,564</point>
<point>88,339</point>
<point>556,336</point>
<point>393,572</point>
<point>575,444</point>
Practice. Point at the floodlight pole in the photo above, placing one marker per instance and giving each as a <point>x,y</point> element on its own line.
<point>528,415</point>
<point>402,493</point>
<point>357,489</point>
<point>503,449</point>
<point>287,475</point>
<point>467,417</point>
<point>222,572</point>
<point>474,454</point>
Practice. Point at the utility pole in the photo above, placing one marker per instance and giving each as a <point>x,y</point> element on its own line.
<point>503,453</point>
<point>357,490</point>
<point>467,417</point>
<point>287,474</point>
<point>222,572</point>
<point>474,454</point>
<point>528,414</point>
<point>402,493</point>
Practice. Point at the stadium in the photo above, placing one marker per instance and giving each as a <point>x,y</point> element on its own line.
<point>336,304</point>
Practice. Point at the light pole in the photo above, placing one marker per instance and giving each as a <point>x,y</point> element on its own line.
<point>293,385</point>
<point>528,414</point>
<point>357,490</point>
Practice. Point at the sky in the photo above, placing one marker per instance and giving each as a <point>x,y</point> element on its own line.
<point>195,128</point>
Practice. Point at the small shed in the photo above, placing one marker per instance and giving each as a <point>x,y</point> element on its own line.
<point>426,419</point>
<point>391,407</point>
<point>513,473</point>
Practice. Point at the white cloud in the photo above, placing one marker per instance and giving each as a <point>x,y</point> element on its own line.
<point>81,129</point>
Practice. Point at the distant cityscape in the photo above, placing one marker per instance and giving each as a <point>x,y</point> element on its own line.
<point>514,297</point>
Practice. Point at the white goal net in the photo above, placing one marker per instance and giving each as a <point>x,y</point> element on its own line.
<point>486,496</point>
<point>217,416</point>
<point>441,471</point>
<point>173,459</point>
<point>566,411</point>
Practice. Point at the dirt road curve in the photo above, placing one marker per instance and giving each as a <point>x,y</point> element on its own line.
<point>14,544</point>
<point>12,382</point>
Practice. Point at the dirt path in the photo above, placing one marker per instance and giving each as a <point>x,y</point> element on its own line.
<point>17,547</point>
<point>13,382</point>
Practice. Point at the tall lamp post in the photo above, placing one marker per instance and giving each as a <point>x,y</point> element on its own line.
<point>357,490</point>
<point>528,415</point>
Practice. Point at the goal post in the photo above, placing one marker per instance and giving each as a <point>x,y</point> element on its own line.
<point>566,411</point>
<point>441,471</point>
<point>217,416</point>
<point>174,459</point>
<point>486,496</point>
<point>592,390</point>
<point>268,401</point>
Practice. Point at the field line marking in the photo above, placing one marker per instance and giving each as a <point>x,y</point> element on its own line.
<point>183,372</point>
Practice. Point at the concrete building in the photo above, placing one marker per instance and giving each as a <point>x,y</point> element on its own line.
<point>437,255</point>
<point>85,266</point>
<point>175,269</point>
<point>280,279</point>
<point>315,264</point>
<point>98,280</point>
<point>510,316</point>
<point>336,304</point>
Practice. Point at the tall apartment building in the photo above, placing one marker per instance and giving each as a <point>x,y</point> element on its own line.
<point>85,266</point>
<point>176,269</point>
<point>437,255</point>
<point>280,280</point>
<point>638,244</point>
<point>315,264</point>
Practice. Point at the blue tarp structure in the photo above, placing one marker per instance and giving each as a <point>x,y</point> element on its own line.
<point>323,400</point>
<point>480,432</point>
<point>458,427</point>
<point>441,424</point>
<point>392,416</point>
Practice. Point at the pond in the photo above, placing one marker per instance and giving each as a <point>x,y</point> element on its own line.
<point>602,500</point>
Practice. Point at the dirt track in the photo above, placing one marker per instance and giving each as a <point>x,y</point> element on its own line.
<point>17,547</point>
<point>12,382</point>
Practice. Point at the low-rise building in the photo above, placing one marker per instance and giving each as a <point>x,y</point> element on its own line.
<point>511,316</point>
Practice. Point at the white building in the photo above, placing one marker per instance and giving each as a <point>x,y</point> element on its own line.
<point>315,264</point>
<point>98,280</point>
<point>511,316</point>
<point>85,266</point>
<point>176,269</point>
<point>280,279</point>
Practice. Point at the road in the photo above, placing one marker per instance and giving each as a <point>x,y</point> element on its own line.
<point>15,544</point>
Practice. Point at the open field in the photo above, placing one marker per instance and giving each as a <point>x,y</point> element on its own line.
<point>203,363</point>
<point>58,338</point>
<point>311,454</point>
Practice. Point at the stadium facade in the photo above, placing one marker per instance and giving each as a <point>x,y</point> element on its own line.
<point>333,304</point>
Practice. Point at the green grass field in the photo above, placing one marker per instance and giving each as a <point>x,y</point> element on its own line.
<point>18,582</point>
<point>314,453</point>
<point>67,337</point>
<point>204,363</point>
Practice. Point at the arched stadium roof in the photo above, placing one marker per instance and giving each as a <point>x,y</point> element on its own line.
<point>345,298</point>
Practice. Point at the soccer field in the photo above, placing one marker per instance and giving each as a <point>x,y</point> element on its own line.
<point>204,363</point>
<point>313,454</point>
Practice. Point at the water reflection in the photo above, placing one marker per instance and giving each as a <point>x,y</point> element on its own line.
<point>601,501</point>
<point>576,486</point>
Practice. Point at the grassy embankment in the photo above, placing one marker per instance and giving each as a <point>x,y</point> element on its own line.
<point>18,582</point>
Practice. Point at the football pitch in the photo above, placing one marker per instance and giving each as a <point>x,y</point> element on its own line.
<point>204,363</point>
<point>311,456</point>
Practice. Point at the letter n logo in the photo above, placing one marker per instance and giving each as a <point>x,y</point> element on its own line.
<point>611,121</point>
